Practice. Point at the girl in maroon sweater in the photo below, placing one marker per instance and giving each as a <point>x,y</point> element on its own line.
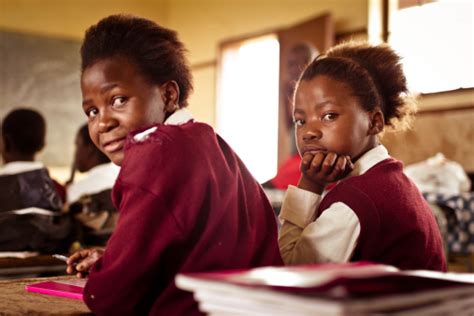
<point>185,200</point>
<point>343,101</point>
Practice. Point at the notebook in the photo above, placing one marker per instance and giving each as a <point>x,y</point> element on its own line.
<point>70,288</point>
<point>330,289</point>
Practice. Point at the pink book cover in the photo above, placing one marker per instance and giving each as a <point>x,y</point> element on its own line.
<point>70,288</point>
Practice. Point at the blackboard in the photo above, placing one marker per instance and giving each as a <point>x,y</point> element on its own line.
<point>43,73</point>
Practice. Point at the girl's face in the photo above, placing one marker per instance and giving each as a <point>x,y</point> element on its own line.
<point>118,99</point>
<point>329,118</point>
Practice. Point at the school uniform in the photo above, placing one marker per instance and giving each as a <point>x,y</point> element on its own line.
<point>90,201</point>
<point>187,203</point>
<point>30,210</point>
<point>375,214</point>
<point>27,184</point>
<point>99,178</point>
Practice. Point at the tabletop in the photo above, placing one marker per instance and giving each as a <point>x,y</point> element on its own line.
<point>15,300</point>
<point>35,266</point>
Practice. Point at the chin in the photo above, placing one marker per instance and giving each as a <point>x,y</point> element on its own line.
<point>116,158</point>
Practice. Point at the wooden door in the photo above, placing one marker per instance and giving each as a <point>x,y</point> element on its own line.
<point>317,33</point>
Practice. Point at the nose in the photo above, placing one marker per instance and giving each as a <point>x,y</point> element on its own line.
<point>106,122</point>
<point>312,133</point>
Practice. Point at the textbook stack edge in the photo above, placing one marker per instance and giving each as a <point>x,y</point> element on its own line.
<point>331,289</point>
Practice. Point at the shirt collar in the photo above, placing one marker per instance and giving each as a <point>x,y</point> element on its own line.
<point>369,159</point>
<point>104,168</point>
<point>179,117</point>
<point>20,167</point>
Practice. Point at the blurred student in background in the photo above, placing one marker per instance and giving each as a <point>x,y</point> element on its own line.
<point>30,202</point>
<point>89,198</point>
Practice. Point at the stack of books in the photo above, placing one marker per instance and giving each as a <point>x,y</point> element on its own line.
<point>331,289</point>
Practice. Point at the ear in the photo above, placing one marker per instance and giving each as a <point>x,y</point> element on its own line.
<point>376,123</point>
<point>170,93</point>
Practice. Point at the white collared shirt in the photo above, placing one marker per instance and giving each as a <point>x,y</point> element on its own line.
<point>16,167</point>
<point>179,117</point>
<point>99,178</point>
<point>333,236</point>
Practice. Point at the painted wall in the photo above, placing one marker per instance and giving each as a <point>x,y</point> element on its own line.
<point>70,18</point>
<point>202,24</point>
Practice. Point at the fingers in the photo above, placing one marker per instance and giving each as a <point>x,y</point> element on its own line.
<point>321,164</point>
<point>81,261</point>
<point>323,168</point>
<point>306,161</point>
<point>329,163</point>
<point>338,169</point>
<point>87,263</point>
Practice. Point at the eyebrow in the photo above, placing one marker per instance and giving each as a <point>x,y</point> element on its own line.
<point>103,89</point>
<point>319,105</point>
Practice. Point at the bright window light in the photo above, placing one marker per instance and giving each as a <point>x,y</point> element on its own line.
<point>436,43</point>
<point>247,102</point>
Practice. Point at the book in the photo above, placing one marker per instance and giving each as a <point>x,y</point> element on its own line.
<point>330,289</point>
<point>70,288</point>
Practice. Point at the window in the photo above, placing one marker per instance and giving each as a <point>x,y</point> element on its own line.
<point>435,41</point>
<point>247,102</point>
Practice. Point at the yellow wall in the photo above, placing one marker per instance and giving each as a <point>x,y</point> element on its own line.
<point>202,24</point>
<point>70,18</point>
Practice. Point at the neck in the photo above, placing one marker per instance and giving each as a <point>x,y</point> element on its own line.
<point>12,157</point>
<point>372,144</point>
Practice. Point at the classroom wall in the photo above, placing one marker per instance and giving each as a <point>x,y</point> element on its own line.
<point>444,124</point>
<point>202,24</point>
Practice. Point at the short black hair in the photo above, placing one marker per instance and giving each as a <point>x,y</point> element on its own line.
<point>83,133</point>
<point>25,130</point>
<point>156,50</point>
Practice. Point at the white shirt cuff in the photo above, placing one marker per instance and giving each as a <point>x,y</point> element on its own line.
<point>299,206</point>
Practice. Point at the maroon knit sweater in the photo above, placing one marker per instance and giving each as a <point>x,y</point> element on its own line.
<point>187,204</point>
<point>397,225</point>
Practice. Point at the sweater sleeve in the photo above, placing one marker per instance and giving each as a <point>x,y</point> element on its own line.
<point>133,265</point>
<point>331,237</point>
<point>157,210</point>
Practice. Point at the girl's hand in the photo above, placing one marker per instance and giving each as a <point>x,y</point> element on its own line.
<point>81,261</point>
<point>320,169</point>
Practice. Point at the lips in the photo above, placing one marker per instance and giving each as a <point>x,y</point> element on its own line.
<point>313,150</point>
<point>114,145</point>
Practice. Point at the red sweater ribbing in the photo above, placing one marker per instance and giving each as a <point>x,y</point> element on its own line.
<point>397,225</point>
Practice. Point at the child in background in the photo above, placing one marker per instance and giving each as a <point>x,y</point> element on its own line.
<point>186,202</point>
<point>353,201</point>
<point>90,198</point>
<point>88,158</point>
<point>23,137</point>
<point>25,185</point>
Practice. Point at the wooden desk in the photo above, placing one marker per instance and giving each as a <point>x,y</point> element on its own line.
<point>15,300</point>
<point>42,265</point>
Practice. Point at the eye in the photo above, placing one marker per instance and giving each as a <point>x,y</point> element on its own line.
<point>330,116</point>
<point>298,122</point>
<point>118,101</point>
<point>92,112</point>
